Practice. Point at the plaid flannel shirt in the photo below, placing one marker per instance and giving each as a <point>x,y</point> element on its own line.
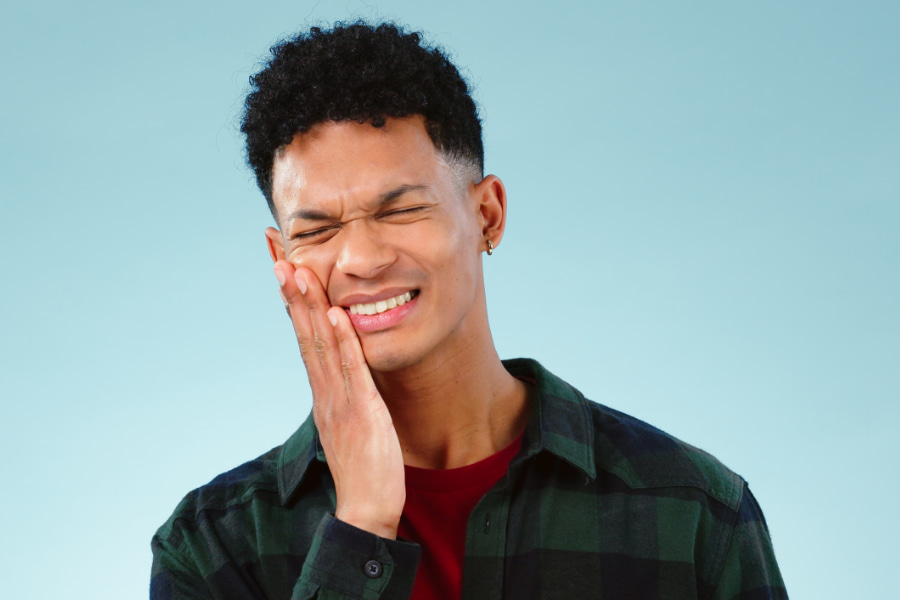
<point>596,504</point>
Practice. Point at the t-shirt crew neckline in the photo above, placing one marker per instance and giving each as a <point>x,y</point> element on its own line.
<point>442,480</point>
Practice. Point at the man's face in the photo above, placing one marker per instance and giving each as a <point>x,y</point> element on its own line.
<point>391,233</point>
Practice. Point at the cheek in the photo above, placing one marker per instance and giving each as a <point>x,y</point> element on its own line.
<point>314,259</point>
<point>455,234</point>
<point>453,258</point>
<point>437,246</point>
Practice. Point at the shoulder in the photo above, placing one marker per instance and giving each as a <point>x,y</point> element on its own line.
<point>229,522</point>
<point>257,485</point>
<point>643,457</point>
<point>229,491</point>
<point>598,439</point>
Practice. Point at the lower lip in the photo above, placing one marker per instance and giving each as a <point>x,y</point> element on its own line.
<point>385,320</point>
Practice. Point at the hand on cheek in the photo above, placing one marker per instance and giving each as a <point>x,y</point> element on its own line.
<point>354,424</point>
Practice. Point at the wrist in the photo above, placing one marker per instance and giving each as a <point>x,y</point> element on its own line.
<point>377,524</point>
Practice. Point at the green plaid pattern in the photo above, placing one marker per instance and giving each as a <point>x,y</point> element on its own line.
<point>596,504</point>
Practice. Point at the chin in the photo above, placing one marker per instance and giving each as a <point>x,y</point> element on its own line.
<point>389,363</point>
<point>382,359</point>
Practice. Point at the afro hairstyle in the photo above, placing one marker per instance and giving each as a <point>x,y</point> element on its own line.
<point>357,72</point>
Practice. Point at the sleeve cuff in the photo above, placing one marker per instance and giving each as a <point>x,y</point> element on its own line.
<point>356,563</point>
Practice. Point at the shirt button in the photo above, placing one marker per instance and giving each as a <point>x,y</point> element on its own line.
<point>373,569</point>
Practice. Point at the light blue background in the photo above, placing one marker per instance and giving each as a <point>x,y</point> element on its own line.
<point>703,233</point>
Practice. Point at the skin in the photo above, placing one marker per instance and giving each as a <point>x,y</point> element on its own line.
<point>366,213</point>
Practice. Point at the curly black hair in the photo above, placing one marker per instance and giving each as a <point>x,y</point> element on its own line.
<point>363,73</point>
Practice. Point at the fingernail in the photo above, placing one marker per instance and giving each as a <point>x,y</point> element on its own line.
<point>301,283</point>
<point>333,318</point>
<point>280,277</point>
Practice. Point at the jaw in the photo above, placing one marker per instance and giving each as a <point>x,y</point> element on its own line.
<point>431,340</point>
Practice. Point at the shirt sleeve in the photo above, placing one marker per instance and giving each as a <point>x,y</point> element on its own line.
<point>174,576</point>
<point>347,562</point>
<point>749,570</point>
<point>343,562</point>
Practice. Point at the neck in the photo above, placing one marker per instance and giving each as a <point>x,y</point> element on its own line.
<point>456,410</point>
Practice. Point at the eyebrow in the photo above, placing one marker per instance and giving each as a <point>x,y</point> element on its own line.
<point>384,200</point>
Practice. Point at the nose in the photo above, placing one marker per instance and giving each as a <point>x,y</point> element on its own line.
<point>363,253</point>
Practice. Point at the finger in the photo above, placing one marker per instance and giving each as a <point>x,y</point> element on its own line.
<point>317,304</point>
<point>357,376</point>
<point>303,327</point>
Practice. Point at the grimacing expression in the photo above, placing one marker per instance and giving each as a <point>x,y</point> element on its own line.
<point>393,234</point>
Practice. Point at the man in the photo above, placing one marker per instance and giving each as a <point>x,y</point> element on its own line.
<point>429,468</point>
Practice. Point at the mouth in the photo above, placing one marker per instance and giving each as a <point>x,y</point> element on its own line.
<point>375,308</point>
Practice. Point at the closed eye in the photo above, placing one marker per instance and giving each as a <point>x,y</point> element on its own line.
<point>402,212</point>
<point>313,234</point>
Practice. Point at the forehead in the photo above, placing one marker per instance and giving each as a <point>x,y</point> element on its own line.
<point>346,160</point>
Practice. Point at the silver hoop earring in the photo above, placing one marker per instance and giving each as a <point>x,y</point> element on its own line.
<point>490,247</point>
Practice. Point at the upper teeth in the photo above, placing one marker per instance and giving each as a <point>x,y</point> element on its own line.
<point>373,308</point>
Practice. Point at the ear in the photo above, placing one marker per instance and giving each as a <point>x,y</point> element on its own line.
<point>491,195</point>
<point>275,243</point>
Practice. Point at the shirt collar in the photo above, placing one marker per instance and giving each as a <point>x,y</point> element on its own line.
<point>560,424</point>
<point>296,455</point>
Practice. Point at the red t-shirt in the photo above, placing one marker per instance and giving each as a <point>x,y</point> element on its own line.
<point>436,514</point>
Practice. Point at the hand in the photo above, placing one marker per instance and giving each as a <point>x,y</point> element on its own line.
<point>355,426</point>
